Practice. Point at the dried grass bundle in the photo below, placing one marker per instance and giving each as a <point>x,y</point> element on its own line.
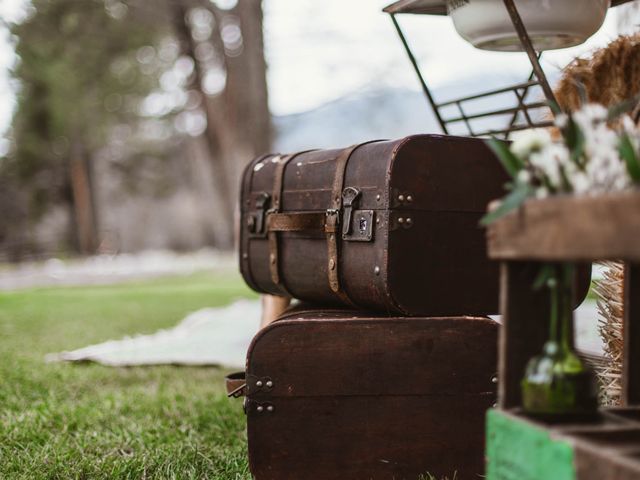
<point>610,76</point>
<point>610,290</point>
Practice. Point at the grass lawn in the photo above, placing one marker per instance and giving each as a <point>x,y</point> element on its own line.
<point>86,421</point>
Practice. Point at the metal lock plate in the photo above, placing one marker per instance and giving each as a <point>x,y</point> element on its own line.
<point>362,222</point>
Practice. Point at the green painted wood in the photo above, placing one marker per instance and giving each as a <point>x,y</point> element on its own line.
<point>518,450</point>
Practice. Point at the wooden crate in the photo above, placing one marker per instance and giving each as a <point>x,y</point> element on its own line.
<point>563,229</point>
<point>519,448</point>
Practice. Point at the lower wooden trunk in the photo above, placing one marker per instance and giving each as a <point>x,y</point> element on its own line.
<point>345,395</point>
<point>402,437</point>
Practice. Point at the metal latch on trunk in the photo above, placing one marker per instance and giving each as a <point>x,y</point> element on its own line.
<point>357,225</point>
<point>256,220</point>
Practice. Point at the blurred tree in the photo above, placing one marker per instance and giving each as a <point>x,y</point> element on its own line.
<point>91,69</point>
<point>225,41</point>
<point>67,51</point>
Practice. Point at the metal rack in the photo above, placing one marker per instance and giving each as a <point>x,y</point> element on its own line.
<point>523,115</point>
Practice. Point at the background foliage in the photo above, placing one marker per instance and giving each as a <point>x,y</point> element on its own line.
<point>130,99</point>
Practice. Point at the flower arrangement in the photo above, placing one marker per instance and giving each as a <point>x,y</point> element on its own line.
<point>594,151</point>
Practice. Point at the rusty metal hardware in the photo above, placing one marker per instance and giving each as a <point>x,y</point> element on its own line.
<point>362,226</point>
<point>357,225</point>
<point>259,384</point>
<point>349,196</point>
<point>256,221</point>
<point>258,407</point>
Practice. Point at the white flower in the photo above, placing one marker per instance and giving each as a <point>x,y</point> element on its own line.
<point>542,192</point>
<point>561,120</point>
<point>529,141</point>
<point>524,176</point>
<point>550,167</point>
<point>580,183</point>
<point>550,161</point>
<point>590,114</point>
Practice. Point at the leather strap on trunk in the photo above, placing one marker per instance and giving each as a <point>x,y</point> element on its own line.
<point>328,221</point>
<point>236,384</point>
<point>333,220</point>
<point>245,264</point>
<point>332,224</point>
<point>296,222</point>
<point>276,200</point>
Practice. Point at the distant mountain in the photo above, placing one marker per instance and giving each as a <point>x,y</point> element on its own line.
<point>388,113</point>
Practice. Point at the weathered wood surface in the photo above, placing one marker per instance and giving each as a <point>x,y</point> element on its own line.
<point>525,327</point>
<point>631,330</point>
<point>424,196</point>
<point>361,397</point>
<point>521,449</point>
<point>525,323</point>
<point>570,228</point>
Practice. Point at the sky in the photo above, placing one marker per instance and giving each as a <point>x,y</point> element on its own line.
<point>318,52</point>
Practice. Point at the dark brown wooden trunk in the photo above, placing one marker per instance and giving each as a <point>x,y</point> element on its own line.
<point>354,396</point>
<point>421,197</point>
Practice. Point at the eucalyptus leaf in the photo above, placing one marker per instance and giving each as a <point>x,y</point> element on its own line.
<point>511,202</point>
<point>582,93</point>
<point>575,140</point>
<point>566,184</point>
<point>547,272</point>
<point>628,153</point>
<point>623,107</point>
<point>511,163</point>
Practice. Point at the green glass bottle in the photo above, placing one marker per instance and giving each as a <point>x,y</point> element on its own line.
<point>557,384</point>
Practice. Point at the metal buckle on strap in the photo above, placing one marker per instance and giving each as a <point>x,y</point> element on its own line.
<point>256,221</point>
<point>332,220</point>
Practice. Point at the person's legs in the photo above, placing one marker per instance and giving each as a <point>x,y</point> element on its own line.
<point>272,307</point>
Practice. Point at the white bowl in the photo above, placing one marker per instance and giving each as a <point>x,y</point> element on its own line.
<point>551,24</point>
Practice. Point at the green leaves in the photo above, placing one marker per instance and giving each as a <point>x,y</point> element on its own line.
<point>538,162</point>
<point>623,107</point>
<point>511,202</point>
<point>628,154</point>
<point>575,140</point>
<point>546,273</point>
<point>511,163</point>
<point>555,108</point>
<point>519,192</point>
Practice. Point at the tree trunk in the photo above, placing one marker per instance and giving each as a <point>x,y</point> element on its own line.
<point>220,175</point>
<point>238,119</point>
<point>83,208</point>
<point>244,102</point>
